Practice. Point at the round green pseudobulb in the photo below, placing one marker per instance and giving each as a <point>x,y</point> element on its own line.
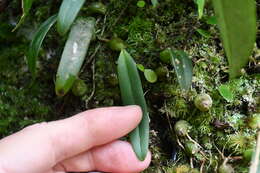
<point>181,169</point>
<point>97,8</point>
<point>161,72</point>
<point>247,155</point>
<point>165,56</point>
<point>203,102</point>
<point>254,121</point>
<point>182,128</point>
<point>79,88</point>
<point>193,170</point>
<point>226,168</point>
<point>116,44</point>
<point>191,148</point>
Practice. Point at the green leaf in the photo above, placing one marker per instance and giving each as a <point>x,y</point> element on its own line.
<point>36,43</point>
<point>140,4</point>
<point>68,12</point>
<point>26,6</point>
<point>140,67</point>
<point>150,75</point>
<point>155,3</point>
<point>203,33</point>
<point>237,24</point>
<point>182,65</point>
<point>200,4</point>
<point>132,94</point>
<point>212,20</point>
<point>226,93</point>
<point>74,54</point>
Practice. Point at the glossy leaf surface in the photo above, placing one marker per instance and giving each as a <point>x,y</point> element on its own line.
<point>182,65</point>
<point>36,43</point>
<point>132,94</point>
<point>237,24</point>
<point>68,12</point>
<point>74,54</point>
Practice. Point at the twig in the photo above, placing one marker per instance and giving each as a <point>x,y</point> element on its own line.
<point>191,163</point>
<point>192,140</point>
<point>93,84</point>
<point>179,143</point>
<point>254,165</point>
<point>202,166</point>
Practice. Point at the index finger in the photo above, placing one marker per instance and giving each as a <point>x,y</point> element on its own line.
<point>46,144</point>
<point>91,128</point>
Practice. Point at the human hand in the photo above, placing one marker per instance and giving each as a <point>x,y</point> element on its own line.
<point>82,143</point>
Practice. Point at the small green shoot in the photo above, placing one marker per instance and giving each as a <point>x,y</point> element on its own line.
<point>140,67</point>
<point>141,4</point>
<point>26,6</point>
<point>226,93</point>
<point>200,4</point>
<point>203,33</point>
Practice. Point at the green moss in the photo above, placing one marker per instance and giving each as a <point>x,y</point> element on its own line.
<point>140,32</point>
<point>147,32</point>
<point>18,108</point>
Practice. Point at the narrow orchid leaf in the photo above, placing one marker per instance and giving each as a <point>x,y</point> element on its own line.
<point>36,43</point>
<point>132,94</point>
<point>182,65</point>
<point>237,23</point>
<point>68,12</point>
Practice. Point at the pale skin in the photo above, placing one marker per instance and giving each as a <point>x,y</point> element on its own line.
<point>85,142</point>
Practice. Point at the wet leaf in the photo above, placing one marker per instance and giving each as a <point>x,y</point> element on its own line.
<point>36,43</point>
<point>226,93</point>
<point>132,94</point>
<point>68,12</point>
<point>26,6</point>
<point>74,54</point>
<point>150,75</point>
<point>182,65</point>
<point>237,24</point>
